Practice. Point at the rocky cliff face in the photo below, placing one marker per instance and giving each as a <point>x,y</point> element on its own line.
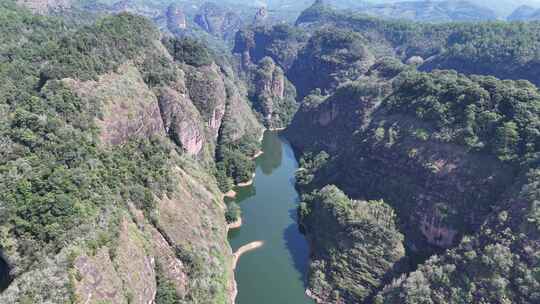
<point>425,179</point>
<point>261,16</point>
<point>330,57</point>
<point>218,21</point>
<point>508,240</point>
<point>176,19</point>
<point>46,6</point>
<point>207,90</point>
<point>129,107</point>
<point>440,189</point>
<point>281,43</point>
<point>320,61</point>
<point>182,120</point>
<point>273,94</point>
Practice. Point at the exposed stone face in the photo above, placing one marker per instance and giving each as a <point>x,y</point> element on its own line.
<point>135,265</point>
<point>181,120</point>
<point>239,119</point>
<point>415,60</point>
<point>218,21</point>
<point>207,91</point>
<point>45,6</point>
<point>163,251</point>
<point>272,94</point>
<point>318,66</point>
<point>270,85</point>
<point>176,19</point>
<point>130,275</point>
<point>130,108</point>
<point>244,42</point>
<point>261,16</point>
<point>436,233</point>
<point>99,280</point>
<point>193,218</point>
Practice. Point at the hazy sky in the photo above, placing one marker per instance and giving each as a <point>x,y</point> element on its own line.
<point>501,7</point>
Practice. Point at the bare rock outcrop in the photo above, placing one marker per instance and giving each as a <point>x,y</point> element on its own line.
<point>45,6</point>
<point>129,108</point>
<point>207,91</point>
<point>176,19</point>
<point>182,121</point>
<point>218,21</point>
<point>261,17</point>
<point>274,96</point>
<point>98,281</point>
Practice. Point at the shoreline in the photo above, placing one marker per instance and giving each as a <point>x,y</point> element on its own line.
<point>248,183</point>
<point>230,194</point>
<point>261,152</point>
<point>312,296</point>
<point>235,225</point>
<point>245,249</point>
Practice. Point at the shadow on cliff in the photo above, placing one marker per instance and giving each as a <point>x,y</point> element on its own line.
<point>5,278</point>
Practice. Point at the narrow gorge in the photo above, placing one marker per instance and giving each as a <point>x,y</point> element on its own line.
<point>275,272</point>
<point>141,162</point>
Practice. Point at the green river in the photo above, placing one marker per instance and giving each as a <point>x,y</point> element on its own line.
<point>275,273</point>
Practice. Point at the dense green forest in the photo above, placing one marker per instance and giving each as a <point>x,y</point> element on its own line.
<point>483,113</point>
<point>507,50</point>
<point>355,245</point>
<point>55,177</point>
<point>65,193</point>
<point>418,146</point>
<point>459,149</point>
<point>454,154</point>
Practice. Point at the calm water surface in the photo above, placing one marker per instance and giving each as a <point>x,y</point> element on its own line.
<point>275,273</point>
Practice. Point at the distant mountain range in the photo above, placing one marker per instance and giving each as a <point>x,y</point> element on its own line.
<point>432,11</point>
<point>503,8</point>
<point>420,10</point>
<point>525,13</point>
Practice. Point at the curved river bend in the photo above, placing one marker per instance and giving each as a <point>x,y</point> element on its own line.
<point>274,273</point>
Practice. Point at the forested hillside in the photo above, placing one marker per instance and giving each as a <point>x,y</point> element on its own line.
<point>397,111</point>
<point>501,49</point>
<point>116,142</point>
<point>124,123</point>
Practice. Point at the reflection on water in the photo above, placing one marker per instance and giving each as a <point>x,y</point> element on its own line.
<point>273,154</point>
<point>275,273</point>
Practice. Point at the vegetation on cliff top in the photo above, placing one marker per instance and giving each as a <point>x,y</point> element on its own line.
<point>61,188</point>
<point>483,113</point>
<point>447,151</point>
<point>356,245</point>
<point>500,264</point>
<point>55,175</point>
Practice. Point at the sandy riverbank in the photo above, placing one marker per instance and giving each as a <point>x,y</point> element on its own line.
<point>245,249</point>
<point>257,154</point>
<point>235,225</point>
<point>248,183</point>
<point>230,194</point>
